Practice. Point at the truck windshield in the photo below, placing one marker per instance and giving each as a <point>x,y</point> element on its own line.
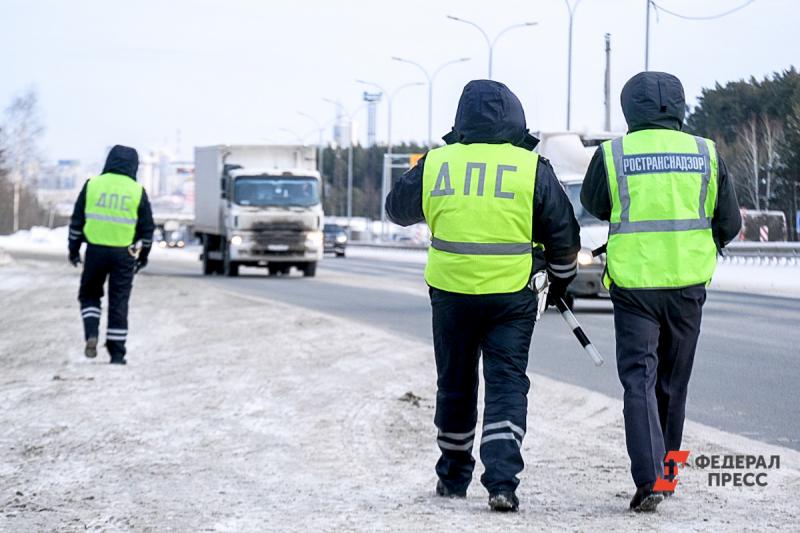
<point>583,216</point>
<point>276,191</point>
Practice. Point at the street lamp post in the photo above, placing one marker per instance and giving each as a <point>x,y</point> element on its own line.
<point>349,115</point>
<point>389,100</point>
<point>430,78</point>
<point>571,10</point>
<point>491,42</point>
<point>320,147</point>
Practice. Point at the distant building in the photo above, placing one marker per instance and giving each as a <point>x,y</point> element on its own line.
<point>66,174</point>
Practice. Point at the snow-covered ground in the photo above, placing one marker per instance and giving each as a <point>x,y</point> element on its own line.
<point>242,414</point>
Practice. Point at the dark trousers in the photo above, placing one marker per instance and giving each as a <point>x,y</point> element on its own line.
<point>116,264</point>
<point>499,326</point>
<point>657,333</point>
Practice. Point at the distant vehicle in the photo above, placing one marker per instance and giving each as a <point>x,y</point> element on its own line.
<point>335,239</point>
<point>258,205</point>
<point>594,233</point>
<point>570,154</point>
<point>173,239</point>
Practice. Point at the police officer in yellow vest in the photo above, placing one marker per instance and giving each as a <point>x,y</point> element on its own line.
<point>111,214</point>
<point>671,206</point>
<point>487,198</point>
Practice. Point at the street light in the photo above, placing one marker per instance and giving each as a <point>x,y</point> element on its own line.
<point>431,78</point>
<point>320,130</point>
<point>571,10</point>
<point>491,42</point>
<point>300,139</point>
<point>389,99</point>
<point>349,114</point>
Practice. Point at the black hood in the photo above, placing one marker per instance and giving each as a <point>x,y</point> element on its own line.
<point>122,160</point>
<point>653,100</point>
<point>488,112</point>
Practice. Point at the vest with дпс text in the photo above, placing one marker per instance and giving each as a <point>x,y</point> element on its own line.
<point>478,202</point>
<point>663,190</point>
<point>112,205</point>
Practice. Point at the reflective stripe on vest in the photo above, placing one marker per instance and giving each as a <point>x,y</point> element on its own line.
<point>663,184</point>
<point>111,211</point>
<point>478,202</point>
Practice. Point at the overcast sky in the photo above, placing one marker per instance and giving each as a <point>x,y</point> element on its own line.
<point>110,71</point>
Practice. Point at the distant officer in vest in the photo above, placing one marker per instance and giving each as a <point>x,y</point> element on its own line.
<point>487,198</point>
<point>671,206</point>
<point>112,213</point>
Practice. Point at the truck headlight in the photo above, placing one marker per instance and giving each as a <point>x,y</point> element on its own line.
<point>237,240</point>
<point>585,257</point>
<point>314,240</point>
<point>341,238</point>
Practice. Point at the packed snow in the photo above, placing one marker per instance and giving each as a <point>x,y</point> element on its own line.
<point>237,413</point>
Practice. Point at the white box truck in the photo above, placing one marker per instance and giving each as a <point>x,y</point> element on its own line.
<point>258,205</point>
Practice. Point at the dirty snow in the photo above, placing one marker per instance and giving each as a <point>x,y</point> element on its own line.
<point>242,414</point>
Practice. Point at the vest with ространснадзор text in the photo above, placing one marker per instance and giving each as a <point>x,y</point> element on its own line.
<point>112,205</point>
<point>478,202</point>
<point>663,190</point>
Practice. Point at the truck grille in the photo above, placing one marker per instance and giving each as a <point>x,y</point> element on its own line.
<point>294,239</point>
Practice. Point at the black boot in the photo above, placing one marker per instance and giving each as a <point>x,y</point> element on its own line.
<point>118,361</point>
<point>91,348</point>
<point>504,501</point>
<point>444,491</point>
<point>645,500</point>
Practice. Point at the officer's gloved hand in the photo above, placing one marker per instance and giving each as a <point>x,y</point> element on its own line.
<point>557,289</point>
<point>141,261</point>
<point>75,255</point>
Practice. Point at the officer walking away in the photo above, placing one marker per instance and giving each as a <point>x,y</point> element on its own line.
<point>487,198</point>
<point>111,214</point>
<point>671,207</point>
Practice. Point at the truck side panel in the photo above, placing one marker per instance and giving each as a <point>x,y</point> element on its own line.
<point>208,202</point>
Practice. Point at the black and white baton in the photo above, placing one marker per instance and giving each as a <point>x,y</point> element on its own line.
<point>572,322</point>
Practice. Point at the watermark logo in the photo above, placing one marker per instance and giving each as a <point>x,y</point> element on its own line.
<point>670,479</point>
<point>748,467</point>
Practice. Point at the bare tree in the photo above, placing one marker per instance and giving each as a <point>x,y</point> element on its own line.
<point>745,161</point>
<point>20,134</point>
<point>773,137</point>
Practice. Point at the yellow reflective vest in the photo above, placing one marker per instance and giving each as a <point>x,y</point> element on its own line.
<point>111,211</point>
<point>663,190</point>
<point>478,202</point>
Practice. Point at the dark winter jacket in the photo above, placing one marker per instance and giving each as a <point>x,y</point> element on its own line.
<point>488,112</point>
<point>655,100</point>
<point>121,160</point>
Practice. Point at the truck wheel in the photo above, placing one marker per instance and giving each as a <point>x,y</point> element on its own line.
<point>209,265</point>
<point>273,270</point>
<point>229,268</point>
<point>310,269</point>
<point>340,254</point>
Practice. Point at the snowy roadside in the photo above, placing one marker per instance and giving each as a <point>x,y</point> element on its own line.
<point>242,414</point>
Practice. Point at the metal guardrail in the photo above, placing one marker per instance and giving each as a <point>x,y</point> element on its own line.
<point>762,253</point>
<point>763,249</point>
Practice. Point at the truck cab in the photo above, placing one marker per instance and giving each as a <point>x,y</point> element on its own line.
<point>251,214</point>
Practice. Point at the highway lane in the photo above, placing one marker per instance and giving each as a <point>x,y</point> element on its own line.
<point>747,369</point>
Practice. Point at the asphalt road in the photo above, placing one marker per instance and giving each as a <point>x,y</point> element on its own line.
<point>746,373</point>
